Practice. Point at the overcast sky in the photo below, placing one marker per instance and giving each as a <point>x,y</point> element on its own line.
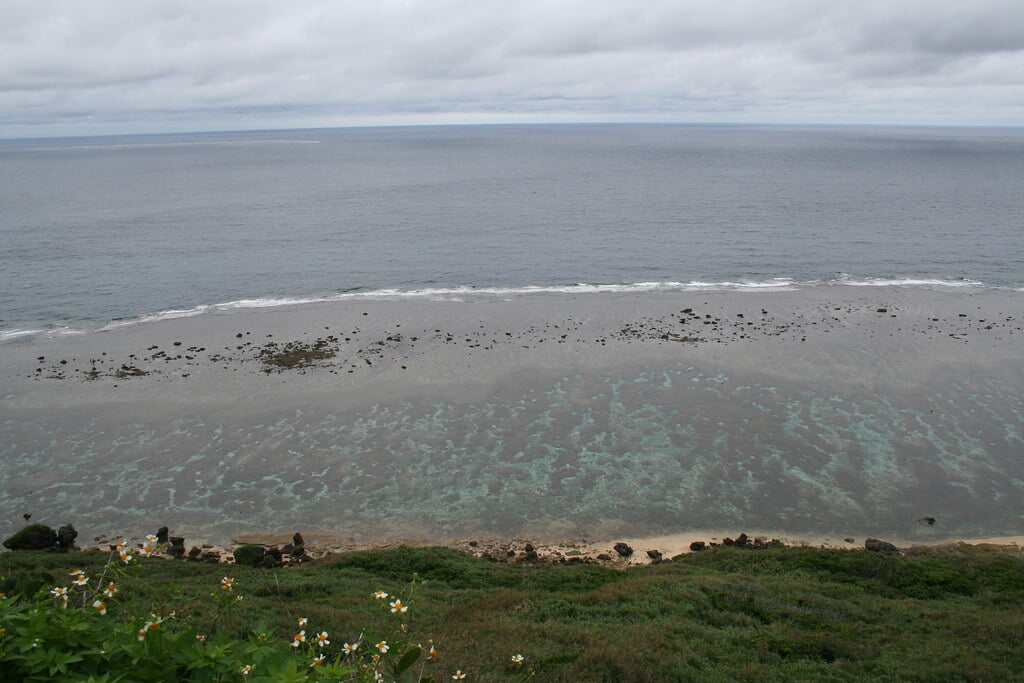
<point>126,66</point>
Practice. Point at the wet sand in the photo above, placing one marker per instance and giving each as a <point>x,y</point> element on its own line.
<point>841,411</point>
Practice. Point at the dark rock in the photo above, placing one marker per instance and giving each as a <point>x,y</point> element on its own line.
<point>249,555</point>
<point>622,549</point>
<point>472,544</point>
<point>529,548</point>
<point>177,548</point>
<point>299,552</point>
<point>211,556</point>
<point>742,541</point>
<point>875,545</point>
<point>881,310</point>
<point>161,534</point>
<point>850,539</point>
<point>66,536</point>
<point>32,537</point>
<point>927,520</point>
<point>655,556</point>
<point>530,555</point>
<point>288,549</point>
<point>297,539</point>
<point>275,553</point>
<point>698,545</point>
<point>194,552</point>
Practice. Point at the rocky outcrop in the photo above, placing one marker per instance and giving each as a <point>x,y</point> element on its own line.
<point>33,537</point>
<point>884,547</point>
<point>66,536</point>
<point>250,555</point>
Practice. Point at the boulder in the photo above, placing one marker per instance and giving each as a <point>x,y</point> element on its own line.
<point>698,545</point>
<point>249,555</point>
<point>622,549</point>
<point>177,548</point>
<point>875,545</point>
<point>655,556</point>
<point>297,540</point>
<point>66,536</point>
<point>33,537</point>
<point>161,534</point>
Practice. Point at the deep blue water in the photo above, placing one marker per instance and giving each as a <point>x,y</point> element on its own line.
<point>102,229</point>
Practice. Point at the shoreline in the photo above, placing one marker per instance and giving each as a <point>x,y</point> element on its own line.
<point>642,551</point>
<point>495,294</point>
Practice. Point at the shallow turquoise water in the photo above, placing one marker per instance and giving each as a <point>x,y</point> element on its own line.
<point>654,451</point>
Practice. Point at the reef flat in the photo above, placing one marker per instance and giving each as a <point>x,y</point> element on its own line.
<point>828,410</point>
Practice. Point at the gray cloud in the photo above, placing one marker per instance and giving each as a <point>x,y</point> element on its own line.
<point>111,65</point>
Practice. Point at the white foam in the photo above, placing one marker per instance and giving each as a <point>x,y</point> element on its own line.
<point>463,293</point>
<point>907,282</point>
<point>11,335</point>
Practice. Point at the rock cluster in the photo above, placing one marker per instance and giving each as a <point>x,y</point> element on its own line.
<point>741,541</point>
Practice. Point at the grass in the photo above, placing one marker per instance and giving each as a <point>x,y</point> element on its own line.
<point>727,614</point>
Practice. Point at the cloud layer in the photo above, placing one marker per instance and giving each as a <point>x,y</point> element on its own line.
<point>114,65</point>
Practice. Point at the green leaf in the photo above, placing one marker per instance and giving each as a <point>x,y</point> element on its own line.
<point>408,659</point>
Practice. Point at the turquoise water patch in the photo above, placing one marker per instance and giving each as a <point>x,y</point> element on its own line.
<point>656,451</point>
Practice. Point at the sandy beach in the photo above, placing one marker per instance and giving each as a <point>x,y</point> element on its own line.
<point>821,413</point>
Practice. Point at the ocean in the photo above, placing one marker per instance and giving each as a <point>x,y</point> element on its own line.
<point>114,229</point>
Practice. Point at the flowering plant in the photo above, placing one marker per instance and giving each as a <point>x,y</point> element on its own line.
<point>77,628</point>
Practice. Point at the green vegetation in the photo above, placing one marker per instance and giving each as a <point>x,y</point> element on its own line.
<point>727,614</point>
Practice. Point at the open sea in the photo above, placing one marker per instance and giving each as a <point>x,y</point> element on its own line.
<point>98,230</point>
